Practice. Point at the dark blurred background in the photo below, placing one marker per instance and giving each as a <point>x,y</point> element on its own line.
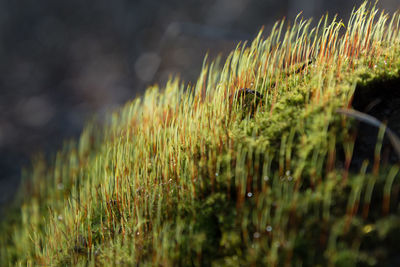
<point>62,62</point>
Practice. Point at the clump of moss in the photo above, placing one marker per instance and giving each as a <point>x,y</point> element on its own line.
<point>191,176</point>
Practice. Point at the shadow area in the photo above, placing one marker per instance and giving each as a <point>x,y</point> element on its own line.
<point>380,99</point>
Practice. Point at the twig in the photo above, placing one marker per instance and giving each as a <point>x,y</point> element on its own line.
<point>394,140</point>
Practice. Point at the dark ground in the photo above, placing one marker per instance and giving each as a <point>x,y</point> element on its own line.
<point>64,61</point>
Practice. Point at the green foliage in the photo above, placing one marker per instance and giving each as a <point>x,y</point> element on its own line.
<point>193,177</point>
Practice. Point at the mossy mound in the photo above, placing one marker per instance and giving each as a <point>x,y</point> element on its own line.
<point>194,177</point>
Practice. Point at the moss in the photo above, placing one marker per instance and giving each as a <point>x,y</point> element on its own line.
<point>195,177</point>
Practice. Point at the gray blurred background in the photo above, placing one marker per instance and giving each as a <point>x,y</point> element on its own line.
<point>61,62</point>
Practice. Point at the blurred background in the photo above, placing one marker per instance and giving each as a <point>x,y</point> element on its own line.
<point>62,62</point>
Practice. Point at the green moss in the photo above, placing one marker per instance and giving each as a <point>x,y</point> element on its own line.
<point>194,177</point>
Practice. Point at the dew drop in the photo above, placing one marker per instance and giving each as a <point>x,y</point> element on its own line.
<point>256,235</point>
<point>60,217</point>
<point>249,194</point>
<point>60,186</point>
<point>368,228</point>
<point>266,178</point>
<point>290,178</point>
<point>269,228</point>
<point>216,174</point>
<point>287,173</point>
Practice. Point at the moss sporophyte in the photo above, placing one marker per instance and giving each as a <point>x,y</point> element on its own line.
<point>262,162</point>
<point>250,99</point>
